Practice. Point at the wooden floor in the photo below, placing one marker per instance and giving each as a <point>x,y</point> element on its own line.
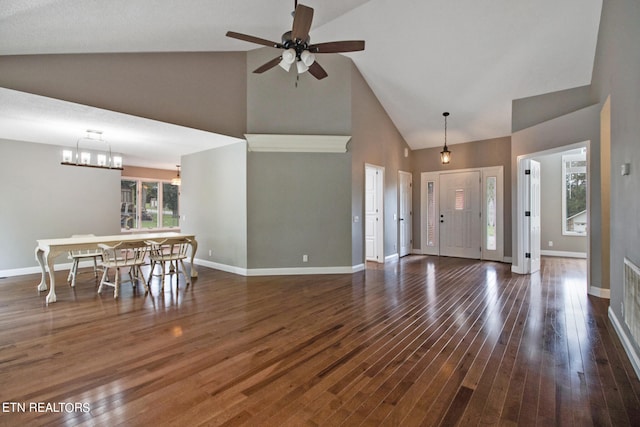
<point>423,341</point>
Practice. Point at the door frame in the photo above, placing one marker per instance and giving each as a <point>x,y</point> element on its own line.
<point>519,228</point>
<point>379,241</point>
<point>498,172</point>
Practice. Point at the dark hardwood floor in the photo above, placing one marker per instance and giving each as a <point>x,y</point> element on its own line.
<point>424,341</point>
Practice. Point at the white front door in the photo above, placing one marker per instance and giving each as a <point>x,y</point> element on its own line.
<point>373,214</point>
<point>405,215</point>
<point>460,229</point>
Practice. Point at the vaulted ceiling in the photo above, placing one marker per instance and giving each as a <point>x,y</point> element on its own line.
<point>422,57</point>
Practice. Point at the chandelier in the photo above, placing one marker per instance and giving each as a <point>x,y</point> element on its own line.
<point>92,151</point>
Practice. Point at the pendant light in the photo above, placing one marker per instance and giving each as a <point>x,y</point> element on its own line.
<point>177,180</point>
<point>445,154</point>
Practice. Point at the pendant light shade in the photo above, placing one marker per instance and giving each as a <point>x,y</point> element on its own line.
<point>445,154</point>
<point>177,180</point>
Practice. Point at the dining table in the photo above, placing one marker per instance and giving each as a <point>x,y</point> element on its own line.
<point>48,249</point>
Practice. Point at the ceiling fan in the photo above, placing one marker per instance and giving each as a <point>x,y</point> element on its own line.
<point>297,47</point>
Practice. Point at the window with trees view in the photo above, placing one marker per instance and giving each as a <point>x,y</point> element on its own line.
<point>148,204</point>
<point>574,196</point>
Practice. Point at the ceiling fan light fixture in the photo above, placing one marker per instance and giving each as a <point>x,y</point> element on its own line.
<point>296,44</point>
<point>288,58</point>
<point>307,58</point>
<point>302,67</point>
<point>285,65</point>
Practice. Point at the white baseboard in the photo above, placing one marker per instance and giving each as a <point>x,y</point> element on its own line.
<point>626,342</point>
<point>223,267</point>
<point>564,254</point>
<point>393,257</point>
<point>37,270</point>
<point>358,268</point>
<point>20,271</point>
<point>518,269</point>
<point>599,292</point>
<point>279,271</point>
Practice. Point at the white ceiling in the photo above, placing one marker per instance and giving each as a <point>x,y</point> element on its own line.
<point>422,57</point>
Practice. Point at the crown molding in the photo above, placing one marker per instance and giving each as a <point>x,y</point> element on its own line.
<point>297,143</point>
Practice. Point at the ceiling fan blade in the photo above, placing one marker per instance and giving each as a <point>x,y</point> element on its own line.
<point>337,47</point>
<point>317,71</point>
<point>252,39</point>
<point>302,22</point>
<point>269,65</point>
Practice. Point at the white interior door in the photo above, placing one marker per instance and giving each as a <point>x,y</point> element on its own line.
<point>374,249</point>
<point>460,228</point>
<point>405,217</point>
<point>533,214</point>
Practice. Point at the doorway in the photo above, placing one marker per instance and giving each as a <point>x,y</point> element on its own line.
<point>462,213</point>
<point>553,230</point>
<point>374,213</point>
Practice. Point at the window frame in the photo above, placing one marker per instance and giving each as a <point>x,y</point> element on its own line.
<point>567,158</point>
<point>139,204</point>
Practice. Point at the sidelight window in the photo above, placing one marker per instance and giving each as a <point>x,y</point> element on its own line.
<point>490,215</point>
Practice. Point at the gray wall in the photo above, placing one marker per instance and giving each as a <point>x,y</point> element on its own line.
<point>376,141</point>
<point>201,90</point>
<point>283,103</point>
<point>299,204</point>
<point>616,71</point>
<point>551,187</point>
<point>527,112</point>
<point>42,199</point>
<point>213,202</point>
<point>476,154</point>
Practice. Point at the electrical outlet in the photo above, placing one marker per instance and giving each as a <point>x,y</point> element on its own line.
<point>550,243</point>
<point>305,258</point>
<point>210,252</point>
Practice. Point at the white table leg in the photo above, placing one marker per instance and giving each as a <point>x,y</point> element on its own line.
<point>51,297</point>
<point>43,281</point>
<point>194,248</point>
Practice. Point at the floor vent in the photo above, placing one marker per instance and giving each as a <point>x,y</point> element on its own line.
<point>631,303</point>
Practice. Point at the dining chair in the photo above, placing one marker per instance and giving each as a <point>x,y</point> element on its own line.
<point>128,254</point>
<point>172,251</point>
<point>78,255</point>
